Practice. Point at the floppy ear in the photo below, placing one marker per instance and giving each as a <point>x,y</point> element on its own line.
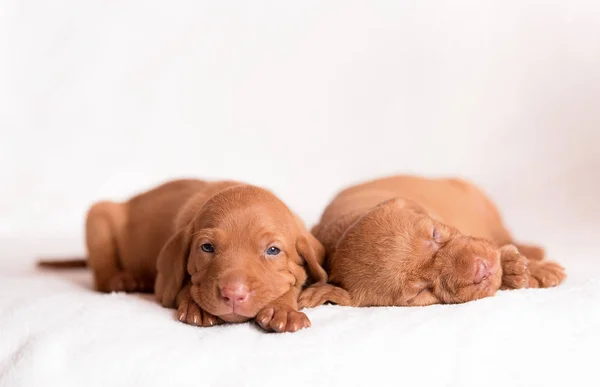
<point>171,267</point>
<point>313,253</point>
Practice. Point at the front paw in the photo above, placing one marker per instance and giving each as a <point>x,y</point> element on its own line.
<point>515,272</point>
<point>319,294</point>
<point>190,313</point>
<point>312,296</point>
<point>281,319</point>
<point>546,274</point>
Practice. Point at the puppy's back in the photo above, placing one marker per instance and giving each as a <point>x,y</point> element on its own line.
<point>455,202</point>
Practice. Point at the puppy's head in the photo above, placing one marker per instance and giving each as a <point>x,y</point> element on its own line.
<point>464,269</point>
<point>242,249</point>
<point>398,255</point>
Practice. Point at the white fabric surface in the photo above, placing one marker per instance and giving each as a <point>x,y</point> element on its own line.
<point>56,331</point>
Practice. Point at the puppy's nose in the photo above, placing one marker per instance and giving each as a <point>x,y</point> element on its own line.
<point>482,270</point>
<point>235,293</point>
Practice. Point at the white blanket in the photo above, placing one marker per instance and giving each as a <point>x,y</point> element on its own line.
<point>56,331</point>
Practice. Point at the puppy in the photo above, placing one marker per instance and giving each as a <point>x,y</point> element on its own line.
<point>217,251</point>
<point>408,240</point>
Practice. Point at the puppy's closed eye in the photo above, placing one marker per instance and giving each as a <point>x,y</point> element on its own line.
<point>431,231</point>
<point>440,234</point>
<point>435,235</point>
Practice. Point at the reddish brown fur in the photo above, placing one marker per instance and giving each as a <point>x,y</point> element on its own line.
<point>408,240</point>
<point>153,242</point>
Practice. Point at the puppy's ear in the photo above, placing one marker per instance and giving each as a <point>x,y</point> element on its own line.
<point>313,253</point>
<point>171,267</point>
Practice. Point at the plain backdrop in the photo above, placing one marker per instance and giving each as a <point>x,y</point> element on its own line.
<point>103,99</point>
<point>100,100</point>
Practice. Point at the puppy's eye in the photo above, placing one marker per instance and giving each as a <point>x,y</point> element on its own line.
<point>208,248</point>
<point>273,250</point>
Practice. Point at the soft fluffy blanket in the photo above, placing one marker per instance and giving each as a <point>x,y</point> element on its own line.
<point>56,331</point>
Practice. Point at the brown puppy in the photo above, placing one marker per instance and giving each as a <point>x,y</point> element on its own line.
<point>219,251</point>
<point>408,240</point>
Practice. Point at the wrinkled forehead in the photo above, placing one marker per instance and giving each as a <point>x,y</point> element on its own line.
<point>248,210</point>
<point>398,216</point>
<point>472,246</point>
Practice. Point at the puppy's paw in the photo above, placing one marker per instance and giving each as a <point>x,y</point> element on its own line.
<point>281,319</point>
<point>190,313</point>
<point>545,274</point>
<point>312,296</point>
<point>126,282</point>
<point>515,272</point>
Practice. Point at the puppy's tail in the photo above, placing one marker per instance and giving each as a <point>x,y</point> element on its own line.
<point>63,263</point>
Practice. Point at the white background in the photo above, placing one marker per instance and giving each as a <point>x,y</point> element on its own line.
<point>104,99</point>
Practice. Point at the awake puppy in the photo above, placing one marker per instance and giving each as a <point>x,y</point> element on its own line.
<point>408,240</point>
<point>217,251</point>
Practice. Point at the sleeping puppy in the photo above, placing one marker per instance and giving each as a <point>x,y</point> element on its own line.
<point>408,240</point>
<point>217,251</point>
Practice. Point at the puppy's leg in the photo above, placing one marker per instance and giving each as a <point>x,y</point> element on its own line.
<point>282,315</point>
<point>515,273</point>
<point>124,281</point>
<point>319,294</point>
<point>105,221</point>
<point>100,233</point>
<point>545,274</point>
